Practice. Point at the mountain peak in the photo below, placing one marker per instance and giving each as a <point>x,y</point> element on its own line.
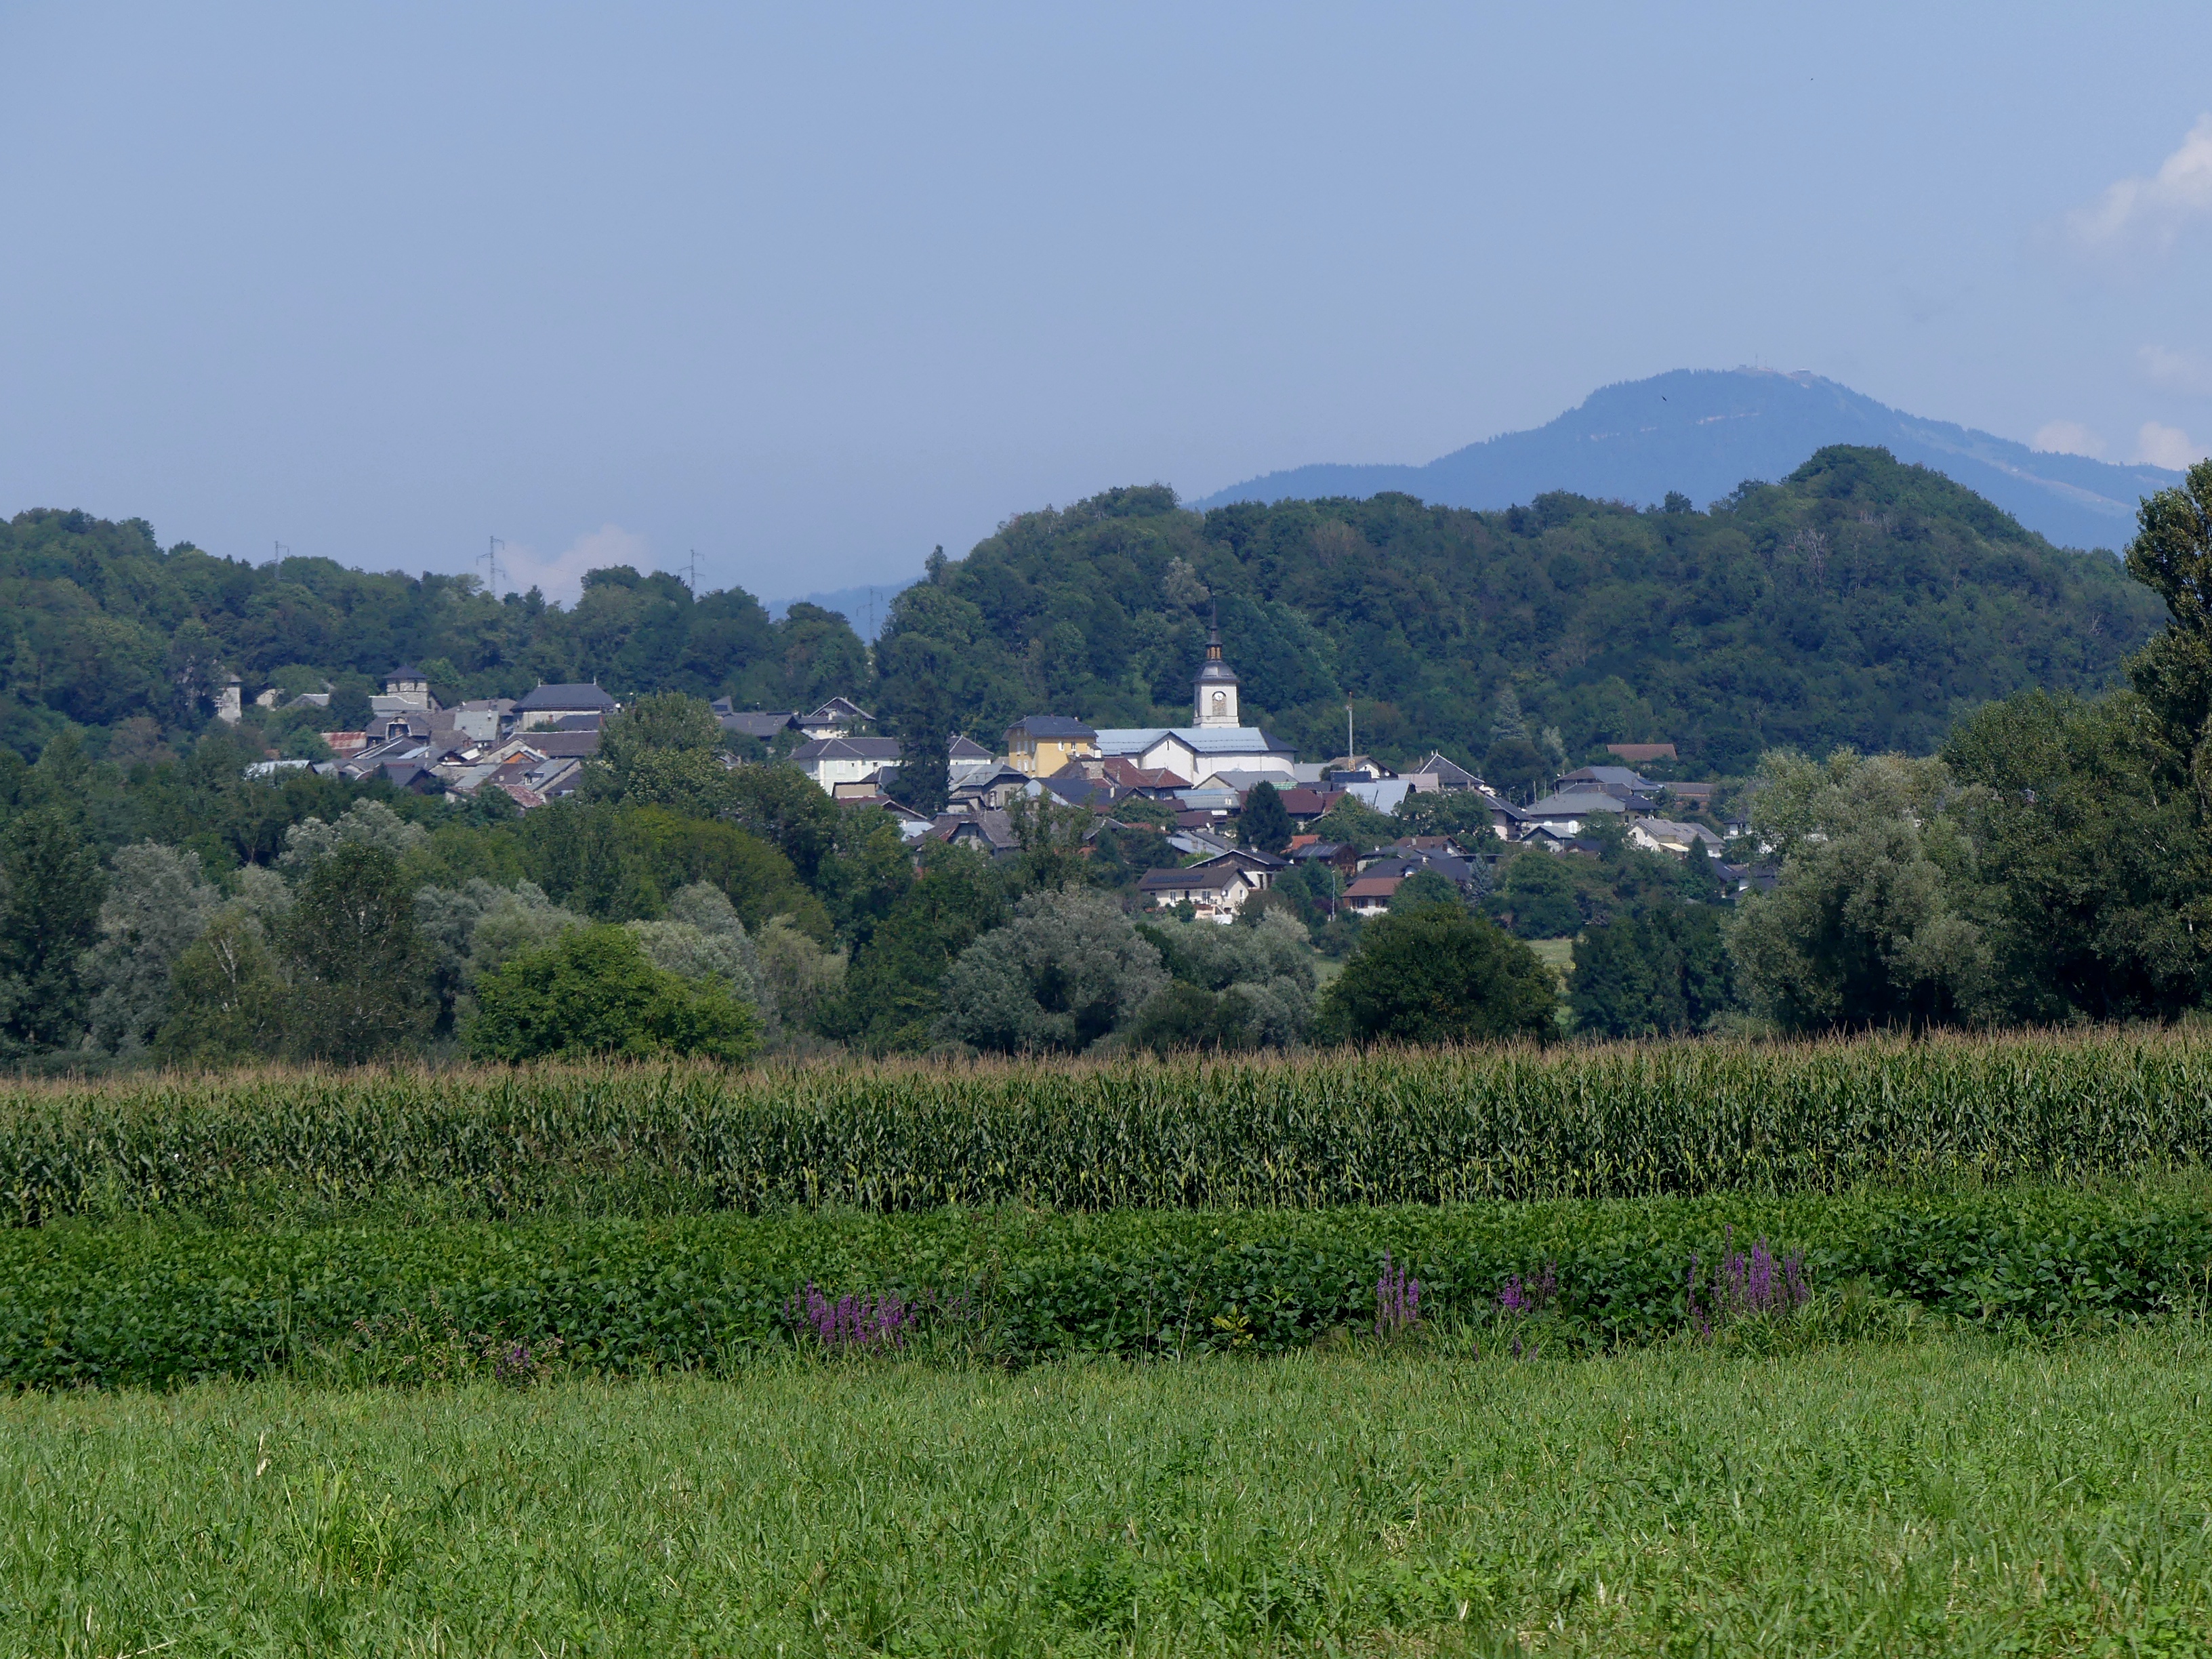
<point>1703,431</point>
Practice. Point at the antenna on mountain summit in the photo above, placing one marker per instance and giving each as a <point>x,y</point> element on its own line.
<point>490,562</point>
<point>692,574</point>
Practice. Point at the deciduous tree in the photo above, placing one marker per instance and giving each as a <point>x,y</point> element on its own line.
<point>1438,974</point>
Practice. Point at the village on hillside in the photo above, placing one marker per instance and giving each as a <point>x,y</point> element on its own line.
<point>1195,781</point>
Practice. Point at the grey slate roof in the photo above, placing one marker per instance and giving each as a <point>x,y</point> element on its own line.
<point>1247,858</point>
<point>564,697</point>
<point>874,748</point>
<point>569,744</point>
<point>1050,725</point>
<point>1580,805</point>
<point>1079,791</point>
<point>1607,777</point>
<point>757,723</point>
<point>1199,739</point>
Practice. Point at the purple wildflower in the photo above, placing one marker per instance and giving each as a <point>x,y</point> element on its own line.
<point>851,1321</point>
<point>1397,1300</point>
<point>518,1363</point>
<point>1531,1295</point>
<point>1758,1282</point>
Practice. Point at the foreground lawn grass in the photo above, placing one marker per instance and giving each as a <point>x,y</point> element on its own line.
<point>1948,1494</point>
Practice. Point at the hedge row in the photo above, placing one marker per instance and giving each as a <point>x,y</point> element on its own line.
<point>145,1303</point>
<point>1426,1126</point>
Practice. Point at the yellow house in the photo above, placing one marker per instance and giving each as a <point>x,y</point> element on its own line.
<point>1040,745</point>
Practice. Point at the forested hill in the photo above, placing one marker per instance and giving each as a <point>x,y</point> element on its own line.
<point>105,629</point>
<point>1859,601</point>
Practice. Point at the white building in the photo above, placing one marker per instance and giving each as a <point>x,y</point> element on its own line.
<point>1567,815</point>
<point>1665,836</point>
<point>1217,890</point>
<point>832,760</point>
<point>840,717</point>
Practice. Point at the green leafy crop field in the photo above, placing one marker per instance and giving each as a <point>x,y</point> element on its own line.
<point>1951,1494</point>
<point>148,1303</point>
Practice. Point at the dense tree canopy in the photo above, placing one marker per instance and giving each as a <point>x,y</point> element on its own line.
<point>1860,601</point>
<point>107,629</point>
<point>594,991</point>
<point>1436,974</point>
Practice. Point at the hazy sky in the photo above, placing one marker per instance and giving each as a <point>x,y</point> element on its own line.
<point>810,290</point>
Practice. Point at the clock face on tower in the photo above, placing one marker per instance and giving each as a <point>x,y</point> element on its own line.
<point>1220,702</point>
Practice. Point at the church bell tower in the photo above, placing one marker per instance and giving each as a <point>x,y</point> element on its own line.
<point>1213,694</point>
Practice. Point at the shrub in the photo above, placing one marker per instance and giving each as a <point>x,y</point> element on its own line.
<point>592,992</point>
<point>1665,971</point>
<point>1425,887</point>
<point>1536,899</point>
<point>361,973</point>
<point>1185,1016</point>
<point>1067,969</point>
<point>1248,986</point>
<point>225,996</point>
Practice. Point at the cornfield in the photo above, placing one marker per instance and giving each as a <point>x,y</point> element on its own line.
<point>1411,1126</point>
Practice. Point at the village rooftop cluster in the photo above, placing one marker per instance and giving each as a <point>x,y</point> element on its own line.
<point>533,749</point>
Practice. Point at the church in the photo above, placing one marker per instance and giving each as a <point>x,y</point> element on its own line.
<point>1216,741</point>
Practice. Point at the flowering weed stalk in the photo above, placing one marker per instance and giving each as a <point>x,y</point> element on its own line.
<point>1522,1299</point>
<point>1532,1295</point>
<point>1758,1283</point>
<point>853,1323</point>
<point>1397,1300</point>
<point>518,1364</point>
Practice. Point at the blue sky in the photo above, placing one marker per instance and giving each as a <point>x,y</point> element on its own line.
<point>810,290</point>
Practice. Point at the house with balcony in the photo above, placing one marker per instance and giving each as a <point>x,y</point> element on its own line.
<point>1217,890</point>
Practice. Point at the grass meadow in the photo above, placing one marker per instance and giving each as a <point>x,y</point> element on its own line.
<point>1946,1493</point>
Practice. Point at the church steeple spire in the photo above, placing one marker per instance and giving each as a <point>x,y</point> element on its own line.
<point>1213,695</point>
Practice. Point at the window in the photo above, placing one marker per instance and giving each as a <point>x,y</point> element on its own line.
<point>1220,700</point>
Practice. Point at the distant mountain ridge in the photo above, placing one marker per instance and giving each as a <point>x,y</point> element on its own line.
<point>1705,431</point>
<point>867,609</point>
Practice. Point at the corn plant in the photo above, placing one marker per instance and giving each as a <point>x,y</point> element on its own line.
<point>1338,1127</point>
